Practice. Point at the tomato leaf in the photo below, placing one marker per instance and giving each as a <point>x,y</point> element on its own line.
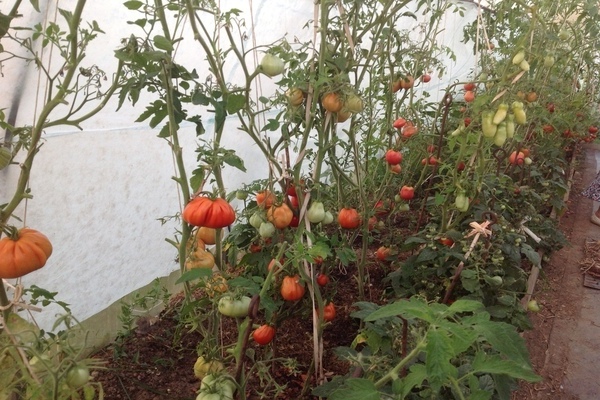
<point>437,363</point>
<point>412,308</point>
<point>504,338</point>
<point>495,364</point>
<point>230,158</point>
<point>194,274</point>
<point>163,43</point>
<point>235,102</point>
<point>133,4</point>
<point>356,389</point>
<point>415,377</point>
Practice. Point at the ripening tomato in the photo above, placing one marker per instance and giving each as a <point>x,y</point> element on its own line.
<point>531,97</point>
<point>332,102</point>
<point>431,148</point>
<point>265,199</point>
<point>469,96</point>
<point>280,216</point>
<point>264,334</point>
<point>322,280</point>
<point>295,96</point>
<point>372,223</point>
<point>329,312</point>
<point>550,107</point>
<point>548,128</point>
<point>516,158</point>
<point>395,169</point>
<point>426,78</point>
<point>407,192</point>
<point>383,253</point>
<point>393,157</point>
<point>409,130</point>
<point>446,241</point>
<point>291,289</point>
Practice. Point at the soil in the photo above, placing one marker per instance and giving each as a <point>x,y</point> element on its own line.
<point>151,367</point>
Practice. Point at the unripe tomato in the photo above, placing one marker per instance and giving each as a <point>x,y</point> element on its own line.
<point>231,306</point>
<point>354,103</point>
<point>271,65</point>
<point>78,376</point>
<point>264,334</point>
<point>295,96</point>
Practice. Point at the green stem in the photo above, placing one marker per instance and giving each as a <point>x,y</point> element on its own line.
<point>393,373</point>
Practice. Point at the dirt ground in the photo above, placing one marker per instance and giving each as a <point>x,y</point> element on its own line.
<point>566,336</point>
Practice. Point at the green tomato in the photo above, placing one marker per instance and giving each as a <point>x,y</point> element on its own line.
<point>271,65</point>
<point>533,306</point>
<point>316,212</point>
<point>354,103</point>
<point>231,306</point>
<point>78,376</point>
<point>216,387</point>
<point>328,219</point>
<point>241,195</point>
<point>256,220</point>
<point>266,230</point>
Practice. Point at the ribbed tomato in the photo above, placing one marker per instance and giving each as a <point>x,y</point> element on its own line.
<point>291,289</point>
<point>264,334</point>
<point>204,211</point>
<point>349,218</point>
<point>26,252</point>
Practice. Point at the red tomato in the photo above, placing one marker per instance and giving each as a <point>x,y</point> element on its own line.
<point>393,157</point>
<point>426,78</point>
<point>550,107</point>
<point>469,87</point>
<point>399,123</point>
<point>431,148</point>
<point>349,218</point>
<point>322,280</point>
<point>329,312</point>
<point>460,166</point>
<point>264,334</point>
<point>593,129</point>
<point>407,192</point>
<point>467,121</point>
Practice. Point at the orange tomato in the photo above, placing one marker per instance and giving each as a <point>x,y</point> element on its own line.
<point>332,102</point>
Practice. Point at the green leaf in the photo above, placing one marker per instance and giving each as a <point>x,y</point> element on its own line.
<point>416,376</point>
<point>133,4</point>
<point>194,274</point>
<point>530,253</point>
<point>235,102</point>
<point>504,338</point>
<point>412,308</point>
<point>272,125</point>
<point>35,4</point>
<point>230,158</point>
<point>437,363</point>
<point>161,42</point>
<point>494,364</point>
<point>427,254</point>
<point>460,306</point>
<point>356,389</point>
<point>197,178</point>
